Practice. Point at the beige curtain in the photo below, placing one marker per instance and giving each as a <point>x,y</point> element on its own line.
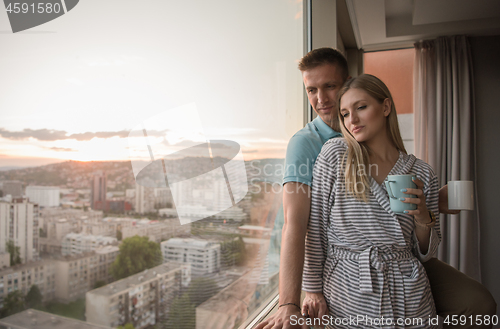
<point>444,137</point>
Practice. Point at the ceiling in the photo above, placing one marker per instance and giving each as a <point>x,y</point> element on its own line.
<point>389,24</point>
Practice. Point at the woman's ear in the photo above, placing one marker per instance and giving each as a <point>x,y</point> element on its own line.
<point>387,106</point>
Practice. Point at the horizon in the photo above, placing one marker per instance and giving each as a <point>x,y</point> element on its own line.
<point>59,161</point>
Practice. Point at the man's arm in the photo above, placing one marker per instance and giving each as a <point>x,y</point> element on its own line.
<point>296,207</point>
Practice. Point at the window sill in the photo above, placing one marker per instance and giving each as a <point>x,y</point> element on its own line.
<point>262,312</point>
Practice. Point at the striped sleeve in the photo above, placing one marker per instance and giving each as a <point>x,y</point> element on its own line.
<point>431,191</point>
<point>316,248</point>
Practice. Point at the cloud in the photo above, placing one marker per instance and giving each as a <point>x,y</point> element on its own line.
<point>40,134</point>
<point>102,134</point>
<point>55,135</point>
<point>62,149</point>
<point>156,133</point>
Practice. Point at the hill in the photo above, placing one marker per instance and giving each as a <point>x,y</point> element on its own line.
<point>74,174</point>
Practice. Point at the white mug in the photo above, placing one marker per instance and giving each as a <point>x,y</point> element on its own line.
<point>461,195</point>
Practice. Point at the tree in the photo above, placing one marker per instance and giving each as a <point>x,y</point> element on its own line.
<point>15,252</point>
<point>232,252</point>
<point>201,289</point>
<point>137,253</point>
<point>182,314</point>
<point>34,297</point>
<point>99,284</point>
<point>13,303</point>
<point>119,235</point>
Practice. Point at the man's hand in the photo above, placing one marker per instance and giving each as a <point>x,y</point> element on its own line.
<point>281,319</point>
<point>314,305</point>
<point>443,202</point>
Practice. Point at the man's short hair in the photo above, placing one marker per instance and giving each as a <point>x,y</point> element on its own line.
<point>321,56</point>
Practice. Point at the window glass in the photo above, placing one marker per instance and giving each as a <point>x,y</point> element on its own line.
<point>395,68</point>
<point>175,116</point>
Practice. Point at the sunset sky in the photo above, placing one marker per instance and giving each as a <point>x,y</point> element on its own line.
<point>75,87</point>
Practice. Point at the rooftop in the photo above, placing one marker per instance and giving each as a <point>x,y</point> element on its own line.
<point>236,294</point>
<point>188,242</point>
<point>21,267</point>
<point>136,279</point>
<point>118,219</point>
<point>255,228</point>
<point>34,319</point>
<point>106,249</point>
<point>70,258</point>
<point>82,236</point>
<point>35,187</point>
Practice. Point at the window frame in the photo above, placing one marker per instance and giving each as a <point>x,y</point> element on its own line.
<point>271,303</point>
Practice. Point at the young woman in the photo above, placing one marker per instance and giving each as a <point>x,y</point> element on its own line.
<point>361,257</point>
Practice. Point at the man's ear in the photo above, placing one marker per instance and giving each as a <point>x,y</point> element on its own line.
<point>387,106</point>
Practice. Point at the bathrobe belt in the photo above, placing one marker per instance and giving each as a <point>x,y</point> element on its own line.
<point>371,256</point>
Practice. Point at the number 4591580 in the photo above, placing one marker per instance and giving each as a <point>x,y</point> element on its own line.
<point>19,7</point>
<point>455,320</point>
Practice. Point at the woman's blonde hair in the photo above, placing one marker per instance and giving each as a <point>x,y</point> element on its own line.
<point>356,177</point>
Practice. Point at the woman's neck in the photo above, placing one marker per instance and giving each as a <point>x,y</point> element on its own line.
<point>382,150</point>
<point>383,156</point>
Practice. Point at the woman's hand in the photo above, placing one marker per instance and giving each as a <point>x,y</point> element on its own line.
<point>314,305</point>
<point>421,213</point>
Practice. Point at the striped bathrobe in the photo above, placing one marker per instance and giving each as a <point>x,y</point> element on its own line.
<point>363,257</point>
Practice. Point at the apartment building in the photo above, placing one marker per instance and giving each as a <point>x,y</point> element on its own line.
<point>14,188</point>
<point>4,260</point>
<point>77,243</point>
<point>106,226</point>
<point>155,230</point>
<point>98,189</point>
<point>234,213</point>
<point>44,196</point>
<point>51,240</point>
<point>74,216</point>
<point>202,255</point>
<point>107,256</point>
<point>31,319</point>
<point>163,197</point>
<point>142,299</point>
<point>19,223</point>
<point>144,199</point>
<point>56,223</point>
<point>21,277</point>
<point>77,274</point>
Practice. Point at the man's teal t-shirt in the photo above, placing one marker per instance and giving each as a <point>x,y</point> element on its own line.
<point>303,149</point>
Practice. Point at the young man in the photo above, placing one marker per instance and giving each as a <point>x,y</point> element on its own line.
<point>324,71</point>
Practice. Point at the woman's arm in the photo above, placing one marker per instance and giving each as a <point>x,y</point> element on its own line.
<point>427,239</point>
<point>421,216</point>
